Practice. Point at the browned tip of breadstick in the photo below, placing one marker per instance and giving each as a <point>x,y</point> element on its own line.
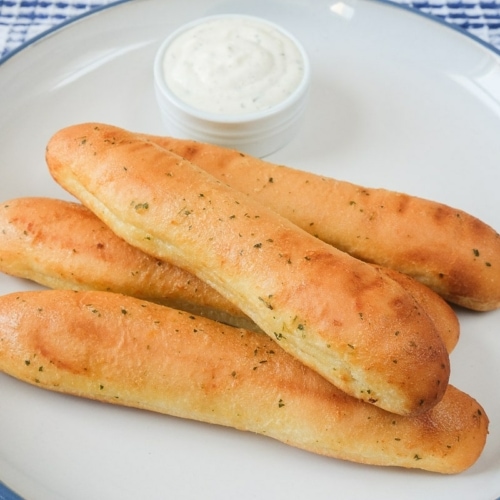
<point>348,321</point>
<point>63,245</point>
<point>125,351</point>
<point>449,250</point>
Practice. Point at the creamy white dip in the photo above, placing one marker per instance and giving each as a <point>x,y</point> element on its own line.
<point>233,65</point>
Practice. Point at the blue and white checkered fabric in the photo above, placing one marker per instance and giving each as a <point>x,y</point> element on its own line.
<point>479,17</point>
<point>21,20</point>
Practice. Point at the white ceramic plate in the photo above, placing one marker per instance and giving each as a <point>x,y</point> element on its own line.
<point>398,100</point>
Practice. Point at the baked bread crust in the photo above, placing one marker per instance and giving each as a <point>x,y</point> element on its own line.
<point>125,351</point>
<point>449,250</point>
<point>343,318</point>
<point>63,245</point>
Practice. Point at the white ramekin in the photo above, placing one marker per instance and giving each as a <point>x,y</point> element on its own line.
<point>258,133</point>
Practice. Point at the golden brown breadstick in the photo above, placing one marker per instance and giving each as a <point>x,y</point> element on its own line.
<point>124,351</point>
<point>447,249</point>
<point>342,317</point>
<point>63,245</point>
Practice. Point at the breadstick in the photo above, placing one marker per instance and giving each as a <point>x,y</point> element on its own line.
<point>450,251</point>
<point>63,245</point>
<point>359,329</point>
<point>135,353</point>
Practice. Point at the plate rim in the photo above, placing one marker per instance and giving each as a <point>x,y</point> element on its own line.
<point>390,3</point>
<point>7,494</point>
